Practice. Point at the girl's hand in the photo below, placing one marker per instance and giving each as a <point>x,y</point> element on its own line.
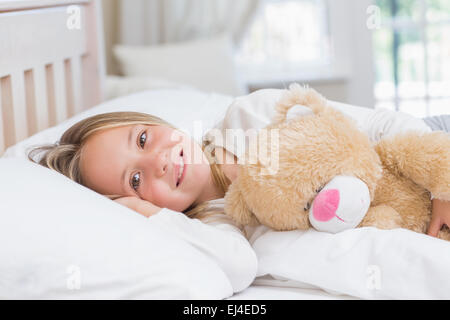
<point>141,206</point>
<point>440,216</point>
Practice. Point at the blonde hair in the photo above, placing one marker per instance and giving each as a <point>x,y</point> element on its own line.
<point>64,155</point>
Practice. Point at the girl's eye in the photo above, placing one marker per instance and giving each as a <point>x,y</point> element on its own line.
<point>135,181</point>
<point>142,139</point>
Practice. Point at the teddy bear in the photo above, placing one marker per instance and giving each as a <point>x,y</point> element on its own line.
<point>330,176</point>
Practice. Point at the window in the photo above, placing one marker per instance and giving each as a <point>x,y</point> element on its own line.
<point>288,40</point>
<point>412,56</point>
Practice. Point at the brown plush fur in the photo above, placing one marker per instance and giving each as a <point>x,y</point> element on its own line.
<point>400,172</point>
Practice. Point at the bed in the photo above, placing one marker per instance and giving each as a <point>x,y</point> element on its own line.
<point>63,241</point>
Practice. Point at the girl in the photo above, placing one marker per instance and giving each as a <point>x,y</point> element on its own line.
<point>146,164</point>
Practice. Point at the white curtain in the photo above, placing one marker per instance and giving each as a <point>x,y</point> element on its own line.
<point>145,22</point>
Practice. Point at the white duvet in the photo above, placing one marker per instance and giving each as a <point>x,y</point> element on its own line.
<point>365,263</point>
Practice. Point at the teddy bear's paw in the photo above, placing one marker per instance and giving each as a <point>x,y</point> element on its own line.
<point>340,205</point>
<point>423,158</point>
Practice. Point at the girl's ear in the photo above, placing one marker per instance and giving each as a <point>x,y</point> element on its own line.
<point>236,207</point>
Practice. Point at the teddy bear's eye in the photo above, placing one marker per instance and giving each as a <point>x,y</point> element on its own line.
<point>308,205</point>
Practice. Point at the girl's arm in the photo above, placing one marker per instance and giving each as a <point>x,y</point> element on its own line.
<point>224,243</point>
<point>379,123</point>
<point>143,207</point>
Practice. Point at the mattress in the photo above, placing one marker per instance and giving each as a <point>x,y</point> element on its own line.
<point>266,292</point>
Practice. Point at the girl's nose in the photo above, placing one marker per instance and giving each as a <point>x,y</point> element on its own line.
<point>154,163</point>
<point>161,163</point>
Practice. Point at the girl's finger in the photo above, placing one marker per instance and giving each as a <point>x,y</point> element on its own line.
<point>434,227</point>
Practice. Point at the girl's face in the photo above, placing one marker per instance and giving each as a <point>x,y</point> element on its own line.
<point>146,161</point>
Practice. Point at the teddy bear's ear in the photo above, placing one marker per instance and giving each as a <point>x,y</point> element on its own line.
<point>298,101</point>
<point>236,207</point>
<point>298,111</point>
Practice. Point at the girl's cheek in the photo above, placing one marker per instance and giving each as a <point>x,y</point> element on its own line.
<point>159,194</point>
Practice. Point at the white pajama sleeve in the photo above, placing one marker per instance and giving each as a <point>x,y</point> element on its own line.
<point>220,241</point>
<point>256,110</point>
<point>379,123</point>
<point>253,111</point>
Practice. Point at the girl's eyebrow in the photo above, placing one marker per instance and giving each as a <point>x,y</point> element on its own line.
<point>130,136</point>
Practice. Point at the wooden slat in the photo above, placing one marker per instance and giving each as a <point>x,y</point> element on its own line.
<point>60,91</point>
<point>51,101</point>
<point>69,87</point>
<point>19,105</point>
<point>72,70</point>
<point>77,85</point>
<point>30,100</point>
<point>42,113</point>
<point>7,111</point>
<point>2,130</point>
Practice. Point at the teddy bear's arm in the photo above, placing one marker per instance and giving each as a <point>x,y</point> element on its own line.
<point>236,207</point>
<point>382,217</point>
<point>423,158</point>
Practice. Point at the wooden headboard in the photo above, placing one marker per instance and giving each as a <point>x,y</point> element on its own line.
<point>51,64</point>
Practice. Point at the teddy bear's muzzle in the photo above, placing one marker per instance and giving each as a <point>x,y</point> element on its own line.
<point>340,205</point>
<point>326,204</point>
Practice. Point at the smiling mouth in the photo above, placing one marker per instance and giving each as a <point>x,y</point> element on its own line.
<point>181,169</point>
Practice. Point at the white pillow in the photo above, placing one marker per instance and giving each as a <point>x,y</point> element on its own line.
<point>61,240</point>
<point>191,111</point>
<point>206,64</point>
<point>116,86</point>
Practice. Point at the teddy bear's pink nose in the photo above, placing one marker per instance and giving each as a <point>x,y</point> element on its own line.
<point>325,205</point>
